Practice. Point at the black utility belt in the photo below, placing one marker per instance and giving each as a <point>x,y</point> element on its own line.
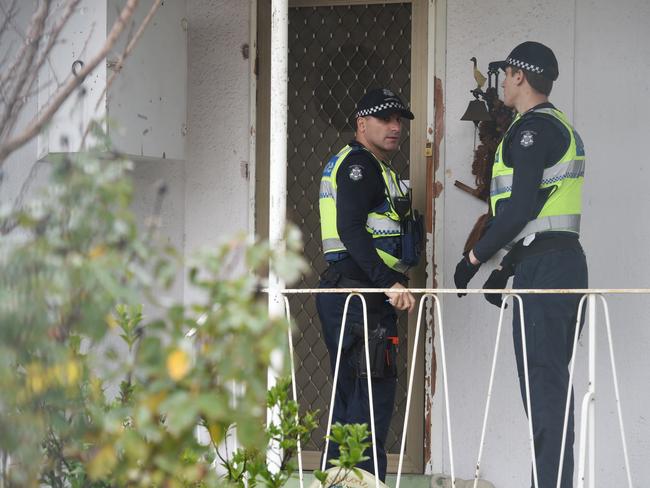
<point>332,278</point>
<point>541,245</point>
<point>335,279</point>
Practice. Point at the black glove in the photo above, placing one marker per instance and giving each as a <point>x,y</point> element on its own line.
<point>497,279</point>
<point>465,271</point>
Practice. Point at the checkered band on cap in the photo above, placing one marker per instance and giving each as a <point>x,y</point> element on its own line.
<point>379,108</point>
<point>525,65</point>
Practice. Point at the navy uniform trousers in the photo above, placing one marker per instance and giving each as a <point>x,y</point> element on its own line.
<point>550,322</point>
<point>351,403</point>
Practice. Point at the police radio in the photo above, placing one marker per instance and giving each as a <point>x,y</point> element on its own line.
<point>412,229</point>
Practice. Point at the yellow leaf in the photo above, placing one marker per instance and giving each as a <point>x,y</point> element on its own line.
<point>102,463</point>
<point>36,383</point>
<point>215,432</point>
<point>37,379</point>
<point>96,387</point>
<point>178,364</point>
<point>97,252</point>
<point>73,372</point>
<point>153,401</point>
<point>110,320</point>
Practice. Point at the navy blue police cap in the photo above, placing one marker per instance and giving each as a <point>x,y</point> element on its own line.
<point>381,102</point>
<point>534,57</point>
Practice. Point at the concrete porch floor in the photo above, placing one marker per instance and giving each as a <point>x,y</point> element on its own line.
<point>408,481</point>
<point>411,481</point>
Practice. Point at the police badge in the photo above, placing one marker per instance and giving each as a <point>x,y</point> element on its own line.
<point>527,138</point>
<point>356,172</point>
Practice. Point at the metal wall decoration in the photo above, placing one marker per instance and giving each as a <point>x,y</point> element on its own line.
<point>490,132</point>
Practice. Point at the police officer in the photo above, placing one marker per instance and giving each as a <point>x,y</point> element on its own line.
<point>535,198</point>
<point>362,203</point>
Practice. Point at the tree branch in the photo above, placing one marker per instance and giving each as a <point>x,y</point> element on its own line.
<point>53,37</point>
<point>64,92</point>
<point>120,62</point>
<point>24,63</point>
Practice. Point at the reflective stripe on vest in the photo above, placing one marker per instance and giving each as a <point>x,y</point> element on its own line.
<point>571,169</point>
<point>563,207</point>
<point>378,224</point>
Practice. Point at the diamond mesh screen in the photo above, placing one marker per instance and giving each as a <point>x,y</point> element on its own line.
<point>335,55</point>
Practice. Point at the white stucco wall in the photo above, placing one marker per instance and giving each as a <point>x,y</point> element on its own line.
<point>216,189</point>
<point>611,107</point>
<point>602,50</point>
<point>149,175</point>
<point>149,96</point>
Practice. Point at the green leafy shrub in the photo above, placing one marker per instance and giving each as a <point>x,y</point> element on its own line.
<point>95,394</point>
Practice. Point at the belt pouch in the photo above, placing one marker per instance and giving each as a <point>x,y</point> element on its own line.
<point>412,238</point>
<point>382,352</point>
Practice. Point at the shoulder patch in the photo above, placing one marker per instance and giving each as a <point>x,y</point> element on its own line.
<point>527,138</point>
<point>356,172</point>
<point>330,166</point>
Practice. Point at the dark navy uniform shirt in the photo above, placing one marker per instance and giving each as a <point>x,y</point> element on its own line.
<point>360,189</point>
<point>550,141</point>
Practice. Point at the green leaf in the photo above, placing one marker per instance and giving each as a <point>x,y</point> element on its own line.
<point>181,413</point>
<point>320,475</point>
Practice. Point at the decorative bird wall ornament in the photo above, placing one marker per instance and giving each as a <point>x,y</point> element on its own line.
<point>478,76</point>
<point>490,133</point>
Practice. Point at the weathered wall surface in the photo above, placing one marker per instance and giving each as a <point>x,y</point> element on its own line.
<point>216,189</point>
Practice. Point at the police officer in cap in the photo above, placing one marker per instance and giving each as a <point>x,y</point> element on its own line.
<point>362,206</point>
<point>536,203</point>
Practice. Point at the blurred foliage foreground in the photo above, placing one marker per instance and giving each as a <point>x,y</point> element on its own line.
<point>94,394</point>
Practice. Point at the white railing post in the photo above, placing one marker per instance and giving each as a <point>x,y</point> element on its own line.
<point>567,406</point>
<point>294,388</point>
<point>619,410</point>
<point>277,182</point>
<point>592,389</point>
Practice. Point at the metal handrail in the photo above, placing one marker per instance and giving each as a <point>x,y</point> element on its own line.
<point>588,401</point>
<point>471,291</point>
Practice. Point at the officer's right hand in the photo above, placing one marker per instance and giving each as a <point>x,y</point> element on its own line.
<point>465,271</point>
<point>401,301</point>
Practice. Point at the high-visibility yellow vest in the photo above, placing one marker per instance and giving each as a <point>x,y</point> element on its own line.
<point>563,207</point>
<point>381,223</point>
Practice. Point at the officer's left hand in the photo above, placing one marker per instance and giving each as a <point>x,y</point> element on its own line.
<point>401,301</point>
<point>465,271</point>
<point>498,279</point>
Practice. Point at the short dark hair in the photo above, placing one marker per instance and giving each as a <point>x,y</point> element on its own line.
<point>537,82</point>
